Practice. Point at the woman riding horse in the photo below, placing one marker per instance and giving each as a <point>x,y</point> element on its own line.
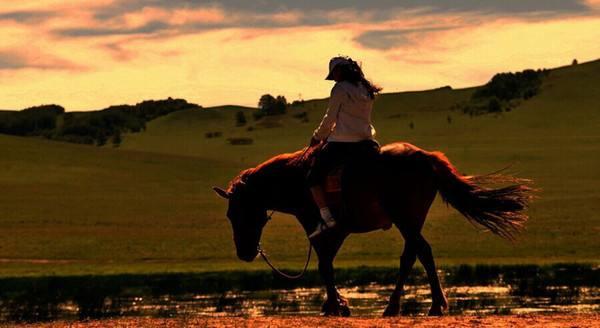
<point>400,190</point>
<point>346,128</point>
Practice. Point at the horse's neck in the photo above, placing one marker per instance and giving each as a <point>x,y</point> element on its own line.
<point>281,189</point>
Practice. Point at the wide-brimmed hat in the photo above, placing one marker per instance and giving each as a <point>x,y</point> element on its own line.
<point>333,63</point>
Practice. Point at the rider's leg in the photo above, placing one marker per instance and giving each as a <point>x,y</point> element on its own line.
<point>328,220</point>
<point>316,176</point>
<point>319,197</point>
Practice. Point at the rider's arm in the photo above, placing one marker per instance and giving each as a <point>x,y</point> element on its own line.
<point>328,122</point>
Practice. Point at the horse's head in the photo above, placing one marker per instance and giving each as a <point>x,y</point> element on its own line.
<point>248,218</point>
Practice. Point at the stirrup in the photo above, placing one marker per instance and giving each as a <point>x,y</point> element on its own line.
<point>322,227</point>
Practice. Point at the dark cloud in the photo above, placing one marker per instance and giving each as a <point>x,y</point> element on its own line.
<point>262,14</point>
<point>384,8</point>
<point>157,26</point>
<point>26,16</point>
<point>15,60</point>
<point>10,61</point>
<point>148,28</point>
<point>258,14</point>
<point>387,39</point>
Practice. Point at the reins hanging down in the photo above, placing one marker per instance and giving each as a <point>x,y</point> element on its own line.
<point>263,254</point>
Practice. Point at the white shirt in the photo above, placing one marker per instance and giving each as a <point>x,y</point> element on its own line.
<point>348,116</point>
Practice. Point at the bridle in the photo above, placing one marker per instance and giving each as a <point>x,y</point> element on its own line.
<point>263,254</point>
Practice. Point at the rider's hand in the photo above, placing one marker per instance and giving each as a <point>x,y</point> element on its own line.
<point>314,142</point>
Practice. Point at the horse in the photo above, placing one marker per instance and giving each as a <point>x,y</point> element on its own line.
<point>398,188</point>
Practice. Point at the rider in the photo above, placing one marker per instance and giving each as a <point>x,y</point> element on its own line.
<point>345,127</point>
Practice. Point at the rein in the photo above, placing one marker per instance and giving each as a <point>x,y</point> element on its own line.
<point>263,254</point>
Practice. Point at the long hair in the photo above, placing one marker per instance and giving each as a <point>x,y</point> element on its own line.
<point>352,72</point>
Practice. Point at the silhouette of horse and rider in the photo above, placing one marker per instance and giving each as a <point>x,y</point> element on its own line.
<point>344,183</point>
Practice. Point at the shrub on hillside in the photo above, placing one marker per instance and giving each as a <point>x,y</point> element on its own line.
<point>507,86</point>
<point>36,120</point>
<point>116,139</point>
<point>240,118</point>
<point>302,116</point>
<point>215,134</point>
<point>240,141</point>
<point>94,127</point>
<point>504,91</point>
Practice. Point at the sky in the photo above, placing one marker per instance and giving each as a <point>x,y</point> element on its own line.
<point>88,55</point>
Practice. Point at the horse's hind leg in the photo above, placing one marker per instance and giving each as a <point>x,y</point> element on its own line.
<point>439,301</point>
<point>416,246</point>
<point>410,218</point>
<point>407,261</point>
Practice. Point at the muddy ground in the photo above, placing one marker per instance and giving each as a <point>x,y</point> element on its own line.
<point>536,320</point>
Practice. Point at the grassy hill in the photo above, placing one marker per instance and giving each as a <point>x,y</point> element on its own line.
<point>147,205</point>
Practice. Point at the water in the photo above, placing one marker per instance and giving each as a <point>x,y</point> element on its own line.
<point>371,300</point>
<point>470,290</point>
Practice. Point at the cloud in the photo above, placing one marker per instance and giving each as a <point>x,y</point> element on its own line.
<point>371,21</point>
<point>148,28</point>
<point>384,7</point>
<point>26,16</point>
<point>16,60</point>
<point>392,38</point>
<point>290,13</point>
<point>270,6</point>
<point>154,17</point>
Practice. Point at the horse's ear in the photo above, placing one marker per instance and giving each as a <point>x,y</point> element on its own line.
<point>221,192</point>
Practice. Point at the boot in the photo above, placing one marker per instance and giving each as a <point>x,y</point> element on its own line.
<point>322,227</point>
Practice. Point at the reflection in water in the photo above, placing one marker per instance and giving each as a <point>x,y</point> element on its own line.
<point>510,290</point>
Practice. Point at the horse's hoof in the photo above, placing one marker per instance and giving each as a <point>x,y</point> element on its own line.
<point>436,311</point>
<point>392,310</point>
<point>345,311</point>
<point>336,307</point>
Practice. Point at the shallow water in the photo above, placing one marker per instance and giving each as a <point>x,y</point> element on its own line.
<point>367,301</point>
<point>470,290</point>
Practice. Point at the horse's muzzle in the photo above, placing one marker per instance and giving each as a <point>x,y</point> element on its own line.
<point>247,256</point>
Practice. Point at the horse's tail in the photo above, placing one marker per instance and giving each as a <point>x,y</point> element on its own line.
<point>500,210</point>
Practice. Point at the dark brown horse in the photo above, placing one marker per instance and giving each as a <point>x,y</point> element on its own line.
<point>398,188</point>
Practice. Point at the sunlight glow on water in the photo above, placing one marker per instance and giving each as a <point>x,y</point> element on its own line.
<point>364,301</point>
<point>518,290</point>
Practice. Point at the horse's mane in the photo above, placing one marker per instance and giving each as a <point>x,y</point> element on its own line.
<point>300,160</point>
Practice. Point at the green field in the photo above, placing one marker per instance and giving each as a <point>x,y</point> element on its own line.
<point>147,206</point>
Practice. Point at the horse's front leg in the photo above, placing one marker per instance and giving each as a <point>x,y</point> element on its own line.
<point>326,248</point>
<point>335,304</point>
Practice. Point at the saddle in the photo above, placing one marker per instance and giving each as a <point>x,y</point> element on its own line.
<point>351,192</point>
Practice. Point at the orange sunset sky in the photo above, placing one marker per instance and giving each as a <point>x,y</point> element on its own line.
<point>90,54</point>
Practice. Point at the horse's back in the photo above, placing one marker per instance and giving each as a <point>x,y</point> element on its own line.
<point>395,186</point>
<point>408,185</point>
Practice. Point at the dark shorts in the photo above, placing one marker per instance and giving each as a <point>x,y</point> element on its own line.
<point>335,154</point>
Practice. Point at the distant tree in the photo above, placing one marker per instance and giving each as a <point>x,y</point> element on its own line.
<point>269,105</point>
<point>101,140</point>
<point>240,118</point>
<point>91,127</point>
<point>116,139</point>
<point>575,62</point>
<point>266,103</point>
<point>507,86</point>
<point>494,105</point>
<point>280,105</point>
